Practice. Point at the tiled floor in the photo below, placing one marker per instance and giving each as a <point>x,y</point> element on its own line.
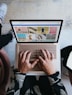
<point>33,9</point>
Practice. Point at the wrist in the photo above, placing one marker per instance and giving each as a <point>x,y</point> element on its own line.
<point>19,72</point>
<point>51,72</point>
<point>55,75</point>
<point>23,71</point>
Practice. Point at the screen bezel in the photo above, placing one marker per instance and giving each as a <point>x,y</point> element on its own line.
<point>38,20</point>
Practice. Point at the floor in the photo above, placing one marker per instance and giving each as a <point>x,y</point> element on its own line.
<point>32,9</point>
<point>38,9</point>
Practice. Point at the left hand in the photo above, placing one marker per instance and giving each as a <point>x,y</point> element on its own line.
<point>24,62</point>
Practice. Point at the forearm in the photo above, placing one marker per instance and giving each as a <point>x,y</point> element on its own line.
<point>57,85</point>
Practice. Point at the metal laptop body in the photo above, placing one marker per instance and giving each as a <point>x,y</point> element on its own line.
<point>34,35</point>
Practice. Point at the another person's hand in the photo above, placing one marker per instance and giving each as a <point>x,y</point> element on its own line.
<point>46,63</point>
<point>24,62</point>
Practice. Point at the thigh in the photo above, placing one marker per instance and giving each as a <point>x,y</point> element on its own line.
<point>44,85</point>
<point>29,82</point>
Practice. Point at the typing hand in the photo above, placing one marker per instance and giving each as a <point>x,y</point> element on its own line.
<point>24,62</point>
<point>46,63</point>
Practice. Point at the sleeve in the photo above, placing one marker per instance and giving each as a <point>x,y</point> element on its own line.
<point>5,39</point>
<point>16,83</point>
<point>57,86</point>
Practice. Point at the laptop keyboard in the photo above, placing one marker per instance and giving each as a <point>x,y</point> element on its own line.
<point>36,50</point>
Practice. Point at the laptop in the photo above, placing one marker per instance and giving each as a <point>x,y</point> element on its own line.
<point>35,35</point>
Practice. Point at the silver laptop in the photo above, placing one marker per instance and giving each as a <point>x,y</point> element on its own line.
<point>34,35</point>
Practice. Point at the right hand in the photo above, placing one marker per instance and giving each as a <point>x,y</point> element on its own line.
<point>46,63</point>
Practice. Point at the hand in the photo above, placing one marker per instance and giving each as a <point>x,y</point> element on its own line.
<point>46,63</point>
<point>24,65</point>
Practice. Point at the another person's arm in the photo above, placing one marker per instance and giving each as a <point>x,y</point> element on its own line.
<point>4,71</point>
<point>48,67</point>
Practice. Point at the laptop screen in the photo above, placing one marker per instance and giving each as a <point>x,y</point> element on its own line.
<point>36,30</point>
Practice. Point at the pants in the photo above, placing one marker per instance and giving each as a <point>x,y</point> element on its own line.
<point>4,39</point>
<point>32,85</point>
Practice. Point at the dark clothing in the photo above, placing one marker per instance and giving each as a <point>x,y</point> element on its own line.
<point>22,84</point>
<point>4,39</point>
<point>0,28</point>
<point>65,53</point>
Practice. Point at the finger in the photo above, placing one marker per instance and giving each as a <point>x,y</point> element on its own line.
<point>41,59</point>
<point>34,63</point>
<point>40,65</point>
<point>52,56</point>
<point>20,58</point>
<point>44,53</point>
<point>24,56</point>
<point>21,54</point>
<point>28,56</point>
<point>48,54</point>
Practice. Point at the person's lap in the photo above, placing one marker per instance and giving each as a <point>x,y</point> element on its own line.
<point>43,84</point>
